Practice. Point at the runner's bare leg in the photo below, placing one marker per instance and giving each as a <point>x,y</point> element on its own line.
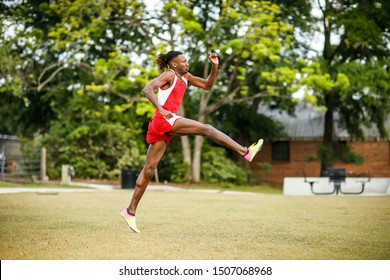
<point>185,126</point>
<point>153,157</point>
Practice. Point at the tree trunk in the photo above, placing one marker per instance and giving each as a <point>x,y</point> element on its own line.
<point>197,156</point>
<point>186,149</point>
<point>328,135</point>
<point>327,153</point>
<point>197,163</point>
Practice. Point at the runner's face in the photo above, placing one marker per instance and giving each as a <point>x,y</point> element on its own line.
<point>181,63</point>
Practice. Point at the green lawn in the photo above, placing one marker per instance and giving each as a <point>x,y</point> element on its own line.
<point>194,226</point>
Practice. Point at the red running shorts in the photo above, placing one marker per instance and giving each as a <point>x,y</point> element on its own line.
<point>159,127</point>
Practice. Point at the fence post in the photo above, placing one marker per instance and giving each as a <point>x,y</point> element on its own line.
<point>2,164</point>
<point>44,178</point>
<point>65,176</point>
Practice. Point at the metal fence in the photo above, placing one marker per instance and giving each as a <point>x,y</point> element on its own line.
<point>20,166</point>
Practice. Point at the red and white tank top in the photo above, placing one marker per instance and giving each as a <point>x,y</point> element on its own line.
<point>171,98</point>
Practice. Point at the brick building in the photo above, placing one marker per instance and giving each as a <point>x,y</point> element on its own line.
<point>287,157</point>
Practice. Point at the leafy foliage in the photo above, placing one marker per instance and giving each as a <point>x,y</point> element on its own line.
<point>93,138</point>
<point>219,169</point>
<point>350,76</point>
<point>73,74</point>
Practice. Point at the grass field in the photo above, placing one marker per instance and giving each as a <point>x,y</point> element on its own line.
<point>194,226</point>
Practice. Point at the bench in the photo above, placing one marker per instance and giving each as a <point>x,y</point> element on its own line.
<point>337,176</point>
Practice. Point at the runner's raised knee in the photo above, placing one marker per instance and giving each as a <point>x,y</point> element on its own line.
<point>149,171</point>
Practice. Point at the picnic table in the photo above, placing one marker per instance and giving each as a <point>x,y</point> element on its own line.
<point>336,176</point>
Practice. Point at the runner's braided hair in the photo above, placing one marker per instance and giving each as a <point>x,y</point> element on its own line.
<point>164,59</point>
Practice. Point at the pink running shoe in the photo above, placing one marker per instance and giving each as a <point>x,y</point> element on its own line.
<point>130,221</point>
<point>253,150</point>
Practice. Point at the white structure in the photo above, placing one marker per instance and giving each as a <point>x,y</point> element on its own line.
<point>66,174</point>
<point>298,186</point>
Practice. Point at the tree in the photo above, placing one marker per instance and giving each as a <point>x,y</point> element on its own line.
<point>23,54</point>
<point>74,75</point>
<point>75,65</point>
<point>351,75</point>
<point>96,131</point>
<point>245,35</point>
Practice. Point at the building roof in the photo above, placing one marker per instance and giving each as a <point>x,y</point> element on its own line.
<point>308,123</point>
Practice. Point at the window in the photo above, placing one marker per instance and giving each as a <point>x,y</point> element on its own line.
<point>281,151</point>
<point>339,149</point>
